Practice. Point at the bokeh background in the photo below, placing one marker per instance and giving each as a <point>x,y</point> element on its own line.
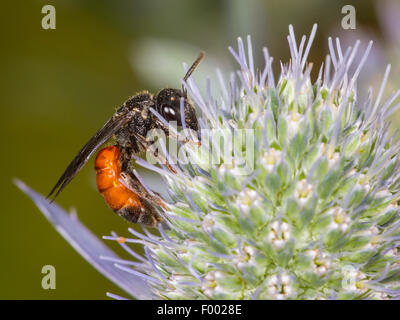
<point>59,86</point>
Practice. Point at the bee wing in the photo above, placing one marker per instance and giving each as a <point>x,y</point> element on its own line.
<point>105,133</point>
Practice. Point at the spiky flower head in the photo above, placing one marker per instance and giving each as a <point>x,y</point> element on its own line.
<point>306,207</point>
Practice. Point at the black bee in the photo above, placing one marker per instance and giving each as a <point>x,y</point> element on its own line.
<point>129,126</point>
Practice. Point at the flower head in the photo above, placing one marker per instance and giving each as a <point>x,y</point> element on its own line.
<point>304,207</point>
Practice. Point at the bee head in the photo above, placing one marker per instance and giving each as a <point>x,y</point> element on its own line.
<point>168,104</point>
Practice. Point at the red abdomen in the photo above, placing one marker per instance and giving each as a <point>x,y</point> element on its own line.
<point>108,169</point>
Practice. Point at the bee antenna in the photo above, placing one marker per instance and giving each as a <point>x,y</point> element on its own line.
<point>191,69</point>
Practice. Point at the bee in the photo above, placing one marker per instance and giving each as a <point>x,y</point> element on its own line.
<point>115,178</point>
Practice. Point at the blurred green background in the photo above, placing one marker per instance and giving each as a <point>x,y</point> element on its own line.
<point>59,86</point>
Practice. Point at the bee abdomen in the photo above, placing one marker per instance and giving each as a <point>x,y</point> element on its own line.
<point>119,198</point>
<point>108,170</point>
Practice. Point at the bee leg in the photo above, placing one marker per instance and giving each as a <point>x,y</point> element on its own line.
<point>169,166</point>
<point>149,146</point>
<point>159,156</point>
<point>130,181</point>
<point>180,137</point>
<point>146,213</point>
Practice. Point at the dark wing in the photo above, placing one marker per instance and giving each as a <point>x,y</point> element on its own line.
<point>105,133</point>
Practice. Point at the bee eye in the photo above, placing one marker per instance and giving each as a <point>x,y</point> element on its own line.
<point>168,113</point>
